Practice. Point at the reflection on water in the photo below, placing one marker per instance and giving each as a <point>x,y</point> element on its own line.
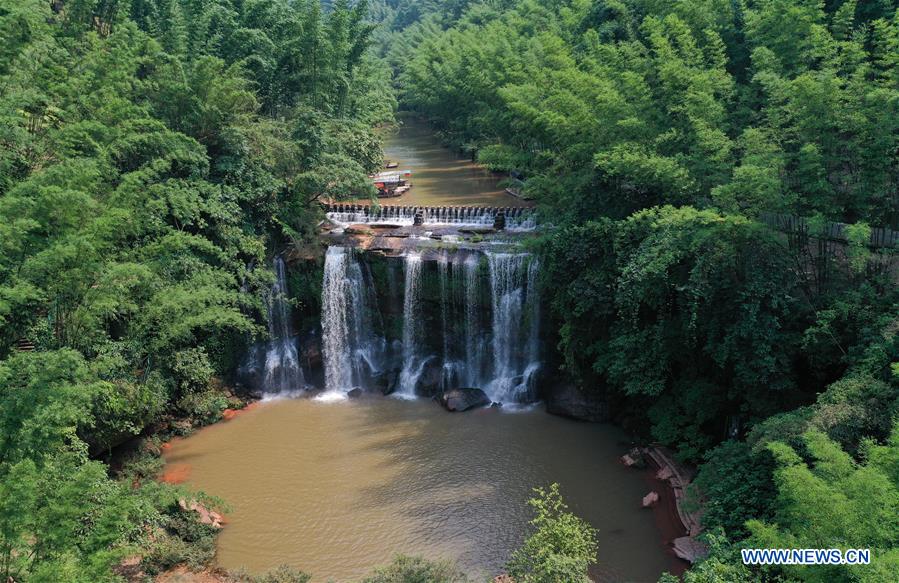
<point>337,488</point>
<point>439,177</point>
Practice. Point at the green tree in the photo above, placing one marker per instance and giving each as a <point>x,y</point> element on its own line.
<point>834,502</point>
<point>561,547</point>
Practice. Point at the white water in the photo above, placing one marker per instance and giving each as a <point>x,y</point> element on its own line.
<point>483,337</point>
<point>283,373</point>
<point>335,321</point>
<point>350,347</point>
<point>450,366</point>
<point>413,361</point>
<point>517,220</point>
<point>513,290</point>
<point>474,346</point>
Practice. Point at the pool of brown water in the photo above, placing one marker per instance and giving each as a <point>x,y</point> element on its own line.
<point>338,488</point>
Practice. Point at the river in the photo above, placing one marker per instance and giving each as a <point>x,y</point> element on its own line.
<point>439,176</point>
<point>338,488</point>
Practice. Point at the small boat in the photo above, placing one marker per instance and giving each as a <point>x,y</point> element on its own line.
<point>513,192</point>
<point>390,164</point>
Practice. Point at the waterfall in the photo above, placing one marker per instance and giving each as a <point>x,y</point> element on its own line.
<point>351,348</point>
<point>449,366</point>
<point>527,389</point>
<point>482,330</point>
<point>413,361</point>
<point>473,344</point>
<point>515,351</point>
<point>335,321</point>
<point>282,364</point>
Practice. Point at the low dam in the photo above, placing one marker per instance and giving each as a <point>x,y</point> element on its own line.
<point>499,218</point>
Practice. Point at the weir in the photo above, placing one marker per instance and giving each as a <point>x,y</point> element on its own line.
<point>469,319</point>
<point>502,218</point>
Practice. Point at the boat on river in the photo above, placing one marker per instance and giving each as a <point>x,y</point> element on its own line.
<point>390,184</point>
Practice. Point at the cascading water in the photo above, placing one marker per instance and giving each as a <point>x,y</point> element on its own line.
<point>352,351</point>
<point>449,365</point>
<point>514,290</point>
<point>474,348</point>
<point>453,323</point>
<point>282,365</point>
<point>516,219</point>
<point>528,386</point>
<point>413,360</point>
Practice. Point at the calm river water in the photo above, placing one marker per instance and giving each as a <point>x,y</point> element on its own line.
<point>439,176</point>
<point>338,488</point>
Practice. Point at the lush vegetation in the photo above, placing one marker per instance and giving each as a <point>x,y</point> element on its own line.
<point>662,139</point>
<point>561,547</point>
<point>156,153</point>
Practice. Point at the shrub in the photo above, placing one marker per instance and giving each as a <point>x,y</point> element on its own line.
<point>405,569</point>
<point>561,548</point>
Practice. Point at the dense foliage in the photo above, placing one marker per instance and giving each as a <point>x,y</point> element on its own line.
<point>417,570</point>
<point>154,154</point>
<point>561,547</point>
<point>663,139</point>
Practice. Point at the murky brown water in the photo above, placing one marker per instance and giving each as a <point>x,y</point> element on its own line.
<point>439,176</point>
<point>337,488</point>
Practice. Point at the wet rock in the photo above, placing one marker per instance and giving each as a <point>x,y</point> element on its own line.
<point>312,391</point>
<point>387,381</point>
<point>634,458</point>
<point>255,395</point>
<point>458,400</point>
<point>206,516</point>
<point>651,499</point>
<point>355,393</point>
<point>431,380</point>
<point>358,230</point>
<point>310,350</point>
<point>690,549</point>
<point>567,400</point>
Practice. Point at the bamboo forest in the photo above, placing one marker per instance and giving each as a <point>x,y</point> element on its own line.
<point>449,291</point>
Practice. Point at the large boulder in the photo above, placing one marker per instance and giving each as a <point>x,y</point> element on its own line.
<point>431,380</point>
<point>651,499</point>
<point>569,401</point>
<point>386,382</point>
<point>458,400</point>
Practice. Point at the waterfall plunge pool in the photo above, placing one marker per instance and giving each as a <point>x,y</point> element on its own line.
<point>338,488</point>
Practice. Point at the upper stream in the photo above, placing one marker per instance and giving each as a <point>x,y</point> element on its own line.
<point>439,176</point>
